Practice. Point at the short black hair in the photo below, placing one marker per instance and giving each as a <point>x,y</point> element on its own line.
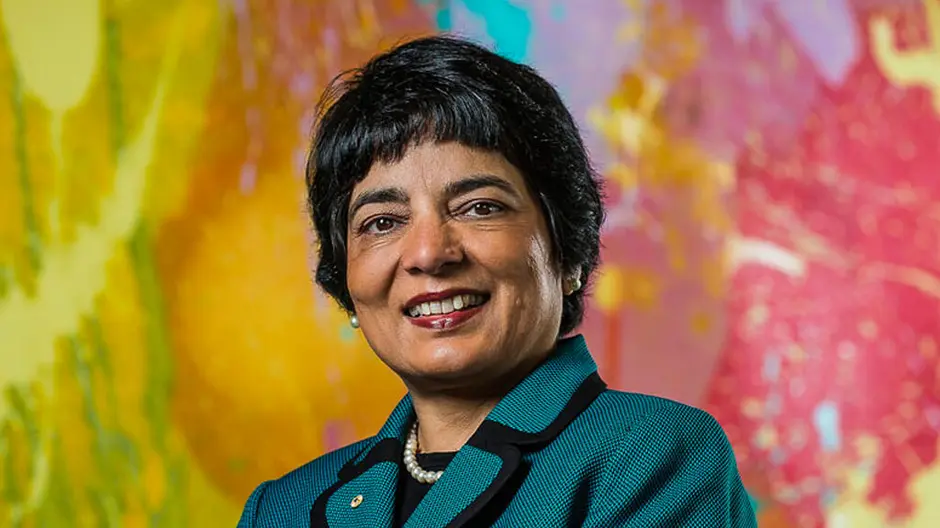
<point>446,89</point>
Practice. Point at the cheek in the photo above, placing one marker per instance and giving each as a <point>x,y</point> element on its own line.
<point>524,258</point>
<point>367,276</point>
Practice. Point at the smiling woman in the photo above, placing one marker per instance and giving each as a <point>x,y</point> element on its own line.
<point>459,219</point>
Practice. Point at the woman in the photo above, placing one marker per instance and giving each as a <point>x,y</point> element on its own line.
<point>459,219</point>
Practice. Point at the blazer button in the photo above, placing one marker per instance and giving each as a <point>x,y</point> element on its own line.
<point>357,500</point>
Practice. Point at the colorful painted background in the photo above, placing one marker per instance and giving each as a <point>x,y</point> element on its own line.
<point>772,251</point>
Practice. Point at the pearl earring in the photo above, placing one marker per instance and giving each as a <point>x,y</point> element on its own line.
<point>574,284</point>
<point>354,321</point>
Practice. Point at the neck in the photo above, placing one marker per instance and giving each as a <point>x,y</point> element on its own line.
<point>445,423</point>
<point>447,419</point>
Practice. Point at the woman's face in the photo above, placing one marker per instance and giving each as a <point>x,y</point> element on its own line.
<point>450,269</point>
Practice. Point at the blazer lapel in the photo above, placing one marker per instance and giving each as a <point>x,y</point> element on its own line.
<point>366,500</point>
<point>470,481</point>
<point>364,494</point>
<point>527,418</point>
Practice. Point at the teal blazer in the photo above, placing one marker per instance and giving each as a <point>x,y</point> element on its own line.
<point>560,450</point>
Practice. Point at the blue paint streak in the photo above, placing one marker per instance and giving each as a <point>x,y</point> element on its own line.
<point>826,421</point>
<point>558,11</point>
<point>508,25</point>
<point>443,18</point>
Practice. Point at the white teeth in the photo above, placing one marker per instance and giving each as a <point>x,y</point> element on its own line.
<point>458,302</point>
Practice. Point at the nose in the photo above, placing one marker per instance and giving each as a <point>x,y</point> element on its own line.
<point>431,246</point>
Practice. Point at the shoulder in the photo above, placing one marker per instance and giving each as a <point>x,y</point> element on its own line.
<point>274,502</point>
<point>638,428</point>
<point>667,464</point>
<point>631,414</point>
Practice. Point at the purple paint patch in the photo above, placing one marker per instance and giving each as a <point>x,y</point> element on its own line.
<point>583,55</point>
<point>741,15</point>
<point>827,33</point>
<point>824,30</point>
<point>247,178</point>
<point>336,434</point>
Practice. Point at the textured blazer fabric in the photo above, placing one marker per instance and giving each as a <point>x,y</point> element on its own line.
<point>560,450</point>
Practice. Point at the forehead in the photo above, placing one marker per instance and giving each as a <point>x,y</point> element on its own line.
<point>432,165</point>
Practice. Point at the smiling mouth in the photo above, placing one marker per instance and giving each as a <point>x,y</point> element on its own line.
<point>457,303</point>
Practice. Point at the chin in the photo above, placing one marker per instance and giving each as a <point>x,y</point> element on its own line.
<point>448,364</point>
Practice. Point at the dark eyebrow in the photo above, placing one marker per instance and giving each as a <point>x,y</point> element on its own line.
<point>451,191</point>
<point>376,196</point>
<point>478,181</point>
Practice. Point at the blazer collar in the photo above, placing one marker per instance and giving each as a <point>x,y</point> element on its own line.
<point>530,416</point>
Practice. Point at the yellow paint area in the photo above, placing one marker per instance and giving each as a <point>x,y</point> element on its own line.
<point>56,47</point>
<point>907,68</point>
<point>853,509</point>
<point>618,287</point>
<point>31,324</point>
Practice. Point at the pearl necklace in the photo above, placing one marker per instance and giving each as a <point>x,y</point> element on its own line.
<point>411,463</point>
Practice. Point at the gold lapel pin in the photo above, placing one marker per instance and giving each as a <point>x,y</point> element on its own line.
<point>357,500</point>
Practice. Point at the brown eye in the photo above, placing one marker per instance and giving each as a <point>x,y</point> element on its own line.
<point>382,224</point>
<point>484,209</point>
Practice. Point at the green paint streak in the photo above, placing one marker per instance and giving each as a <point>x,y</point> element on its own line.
<point>101,359</point>
<point>15,492</point>
<point>157,391</point>
<point>122,466</point>
<point>159,367</point>
<point>159,381</point>
<point>175,512</point>
<point>59,506</point>
<point>83,375</point>
<point>30,221</point>
<point>8,490</point>
<point>116,462</point>
<point>6,279</point>
<point>106,494</point>
<point>119,445</point>
<point>112,39</point>
<point>22,410</point>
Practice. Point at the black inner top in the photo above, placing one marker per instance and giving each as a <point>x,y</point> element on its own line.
<point>410,491</point>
